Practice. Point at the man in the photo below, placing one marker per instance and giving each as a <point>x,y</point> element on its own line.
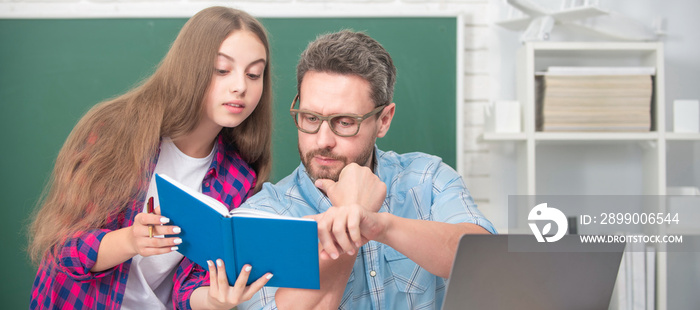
<point>388,224</point>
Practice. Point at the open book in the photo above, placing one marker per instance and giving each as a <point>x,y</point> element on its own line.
<point>285,246</point>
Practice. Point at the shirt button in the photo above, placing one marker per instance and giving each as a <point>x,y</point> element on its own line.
<point>372,273</point>
<point>206,184</point>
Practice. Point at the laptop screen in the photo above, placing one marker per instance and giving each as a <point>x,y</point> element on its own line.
<point>514,272</point>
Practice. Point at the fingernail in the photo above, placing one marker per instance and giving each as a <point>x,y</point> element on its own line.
<point>210,263</point>
<point>351,252</point>
<point>219,262</point>
<point>174,248</point>
<point>177,230</point>
<point>164,220</point>
<point>358,245</point>
<point>334,256</point>
<point>248,268</point>
<point>178,240</point>
<point>269,276</point>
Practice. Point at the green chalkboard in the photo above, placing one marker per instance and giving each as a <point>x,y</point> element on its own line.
<point>53,71</point>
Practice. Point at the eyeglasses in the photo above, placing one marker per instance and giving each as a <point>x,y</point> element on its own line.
<point>344,125</point>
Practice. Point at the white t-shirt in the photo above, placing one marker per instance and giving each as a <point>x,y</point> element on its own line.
<point>150,284</point>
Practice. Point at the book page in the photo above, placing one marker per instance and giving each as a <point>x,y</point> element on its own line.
<point>209,201</point>
<point>221,208</point>
<point>245,212</point>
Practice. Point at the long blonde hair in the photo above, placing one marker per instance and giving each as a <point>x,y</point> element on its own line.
<point>103,165</point>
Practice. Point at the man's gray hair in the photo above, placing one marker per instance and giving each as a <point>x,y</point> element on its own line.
<point>349,52</point>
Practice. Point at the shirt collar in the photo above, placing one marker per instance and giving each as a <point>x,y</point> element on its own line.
<point>310,192</point>
<point>219,149</point>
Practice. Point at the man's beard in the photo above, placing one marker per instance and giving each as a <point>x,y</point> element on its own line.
<point>330,173</point>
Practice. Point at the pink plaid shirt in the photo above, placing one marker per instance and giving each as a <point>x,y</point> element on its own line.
<point>66,282</point>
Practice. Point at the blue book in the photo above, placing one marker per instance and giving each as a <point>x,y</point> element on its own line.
<point>285,246</point>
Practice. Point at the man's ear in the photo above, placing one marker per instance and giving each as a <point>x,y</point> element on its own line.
<point>385,118</point>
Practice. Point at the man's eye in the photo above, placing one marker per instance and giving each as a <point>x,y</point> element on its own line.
<point>345,122</point>
<point>311,118</point>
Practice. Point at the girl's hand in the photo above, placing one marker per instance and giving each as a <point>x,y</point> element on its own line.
<point>145,245</point>
<point>223,296</point>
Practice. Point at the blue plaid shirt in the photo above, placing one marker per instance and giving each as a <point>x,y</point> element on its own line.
<point>419,186</point>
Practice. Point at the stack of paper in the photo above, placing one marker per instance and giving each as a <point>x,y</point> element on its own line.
<point>594,99</point>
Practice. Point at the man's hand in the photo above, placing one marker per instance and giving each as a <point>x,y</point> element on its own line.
<point>344,229</point>
<point>356,185</point>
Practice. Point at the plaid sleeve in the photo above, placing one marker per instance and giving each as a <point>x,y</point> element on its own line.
<point>79,254</point>
<point>188,277</point>
<point>452,202</point>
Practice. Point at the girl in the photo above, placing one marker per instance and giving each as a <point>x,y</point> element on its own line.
<point>203,118</point>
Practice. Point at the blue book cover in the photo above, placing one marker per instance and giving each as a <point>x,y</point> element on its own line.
<point>285,246</point>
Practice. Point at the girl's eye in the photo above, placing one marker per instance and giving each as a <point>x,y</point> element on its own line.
<point>253,76</point>
<point>221,71</point>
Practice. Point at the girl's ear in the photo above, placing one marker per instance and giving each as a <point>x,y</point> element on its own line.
<point>385,118</point>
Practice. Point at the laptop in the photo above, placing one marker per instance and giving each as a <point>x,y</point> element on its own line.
<point>516,272</point>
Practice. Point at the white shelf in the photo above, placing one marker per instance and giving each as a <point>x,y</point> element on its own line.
<point>501,136</point>
<point>577,13</point>
<point>675,136</point>
<point>617,47</point>
<point>515,24</point>
<point>596,136</point>
<point>537,56</point>
<point>581,136</point>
